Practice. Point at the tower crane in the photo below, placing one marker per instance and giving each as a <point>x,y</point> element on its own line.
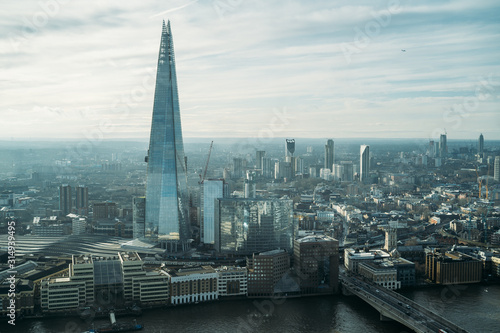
<point>202,177</point>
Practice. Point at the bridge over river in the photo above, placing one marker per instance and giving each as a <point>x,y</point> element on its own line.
<point>393,306</point>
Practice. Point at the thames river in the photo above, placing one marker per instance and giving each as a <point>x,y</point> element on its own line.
<point>476,308</point>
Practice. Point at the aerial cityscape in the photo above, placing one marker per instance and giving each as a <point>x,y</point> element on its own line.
<point>287,167</point>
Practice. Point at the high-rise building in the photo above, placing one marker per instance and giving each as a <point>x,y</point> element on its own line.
<point>259,155</point>
<point>82,200</point>
<point>329,155</point>
<point>250,186</point>
<point>267,167</point>
<point>245,226</point>
<point>496,171</point>
<point>212,189</point>
<point>139,216</point>
<point>289,147</point>
<point>167,197</point>
<point>65,199</point>
<point>480,145</point>
<point>364,162</point>
<point>238,167</point>
<point>443,146</point>
<point>432,149</point>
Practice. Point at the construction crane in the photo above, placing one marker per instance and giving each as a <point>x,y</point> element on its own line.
<point>202,177</point>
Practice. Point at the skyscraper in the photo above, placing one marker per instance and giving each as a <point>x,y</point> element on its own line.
<point>443,147</point>
<point>138,216</point>
<point>480,145</point>
<point>364,162</point>
<point>166,189</point>
<point>496,171</point>
<point>259,155</point>
<point>212,189</point>
<point>329,155</point>
<point>82,200</point>
<point>432,149</point>
<point>65,199</point>
<point>289,147</point>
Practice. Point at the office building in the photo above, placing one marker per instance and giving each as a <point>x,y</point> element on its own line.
<point>443,146</point>
<point>104,210</point>
<point>238,170</point>
<point>82,200</point>
<point>250,188</point>
<point>78,225</point>
<point>380,272</point>
<point>316,263</point>
<point>299,166</point>
<point>496,171</point>
<point>97,280</point>
<point>138,216</point>
<point>364,163</point>
<point>353,257</point>
<point>289,147</point>
<point>192,285</point>
<point>480,145</point>
<point>245,226</point>
<point>267,167</point>
<point>432,149</point>
<point>259,155</point>
<point>265,270</point>
<point>452,268</point>
<point>167,198</point>
<point>62,295</point>
<point>232,281</point>
<point>329,155</point>
<point>212,189</point>
<point>65,199</point>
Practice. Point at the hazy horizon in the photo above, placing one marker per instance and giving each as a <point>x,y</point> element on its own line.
<point>374,69</point>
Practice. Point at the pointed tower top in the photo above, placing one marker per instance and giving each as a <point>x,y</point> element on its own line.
<point>166,28</point>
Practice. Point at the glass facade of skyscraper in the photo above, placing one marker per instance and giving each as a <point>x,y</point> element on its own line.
<point>244,226</point>
<point>166,189</point>
<point>212,189</point>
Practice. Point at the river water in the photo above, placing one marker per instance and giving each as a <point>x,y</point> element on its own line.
<point>475,308</point>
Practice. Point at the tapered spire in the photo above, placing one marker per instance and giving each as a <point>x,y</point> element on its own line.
<point>166,188</point>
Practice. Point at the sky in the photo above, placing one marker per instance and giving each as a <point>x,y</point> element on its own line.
<point>252,68</point>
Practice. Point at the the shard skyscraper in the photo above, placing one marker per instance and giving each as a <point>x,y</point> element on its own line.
<point>166,189</point>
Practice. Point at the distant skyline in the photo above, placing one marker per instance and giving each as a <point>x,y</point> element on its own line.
<point>253,68</point>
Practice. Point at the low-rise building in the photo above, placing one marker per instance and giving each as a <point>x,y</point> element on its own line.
<point>191,285</point>
<point>24,299</point>
<point>353,257</point>
<point>452,268</point>
<point>152,288</point>
<point>380,272</point>
<point>232,281</point>
<point>62,294</point>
